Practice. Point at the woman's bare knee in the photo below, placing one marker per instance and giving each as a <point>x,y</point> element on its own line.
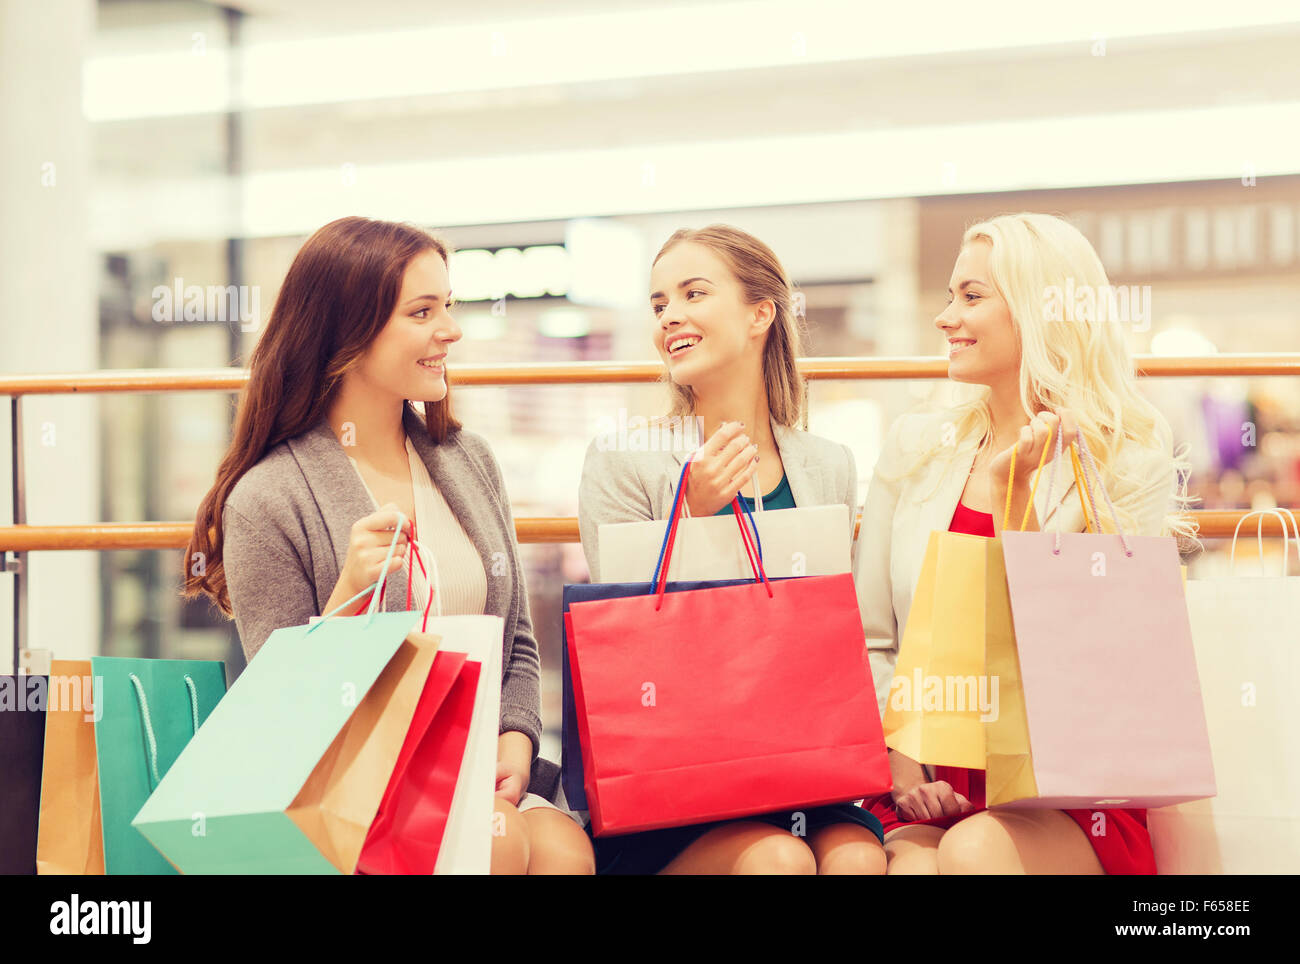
<point>779,852</point>
<point>913,851</point>
<point>847,849</point>
<point>557,845</point>
<point>977,845</point>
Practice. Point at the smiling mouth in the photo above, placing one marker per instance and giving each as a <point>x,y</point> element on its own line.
<point>682,344</point>
<point>956,346</point>
<point>433,365</point>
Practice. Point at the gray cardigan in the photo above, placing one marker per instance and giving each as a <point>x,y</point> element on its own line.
<point>626,486</point>
<point>288,521</point>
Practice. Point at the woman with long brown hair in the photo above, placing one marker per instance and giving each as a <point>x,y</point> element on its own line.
<point>330,458</point>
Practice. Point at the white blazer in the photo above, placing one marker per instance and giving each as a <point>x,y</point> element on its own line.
<point>901,513</point>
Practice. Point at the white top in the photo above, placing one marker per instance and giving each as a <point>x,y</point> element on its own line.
<point>462,579</point>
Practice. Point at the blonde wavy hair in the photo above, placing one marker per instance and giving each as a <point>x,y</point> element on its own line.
<point>762,278</point>
<point>1083,364</point>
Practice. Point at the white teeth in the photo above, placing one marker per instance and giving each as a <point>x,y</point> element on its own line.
<point>427,364</point>
<point>685,342</point>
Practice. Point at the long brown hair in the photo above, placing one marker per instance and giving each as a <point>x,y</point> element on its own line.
<point>339,294</point>
<point>762,278</point>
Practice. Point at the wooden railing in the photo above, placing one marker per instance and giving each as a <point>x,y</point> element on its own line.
<point>17,540</point>
<point>174,535</point>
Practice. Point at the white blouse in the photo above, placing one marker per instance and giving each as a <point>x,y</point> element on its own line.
<point>461,579</point>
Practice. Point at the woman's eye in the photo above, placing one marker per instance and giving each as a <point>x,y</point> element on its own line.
<point>970,295</point>
<point>657,308</point>
<point>422,313</point>
<point>693,291</point>
<point>451,303</point>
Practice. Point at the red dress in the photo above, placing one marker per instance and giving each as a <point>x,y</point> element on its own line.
<point>1125,847</point>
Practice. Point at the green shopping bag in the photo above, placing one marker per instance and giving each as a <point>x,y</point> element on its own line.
<point>150,709</point>
<point>227,804</point>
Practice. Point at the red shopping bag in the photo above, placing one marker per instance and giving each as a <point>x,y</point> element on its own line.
<point>723,702</point>
<point>407,832</point>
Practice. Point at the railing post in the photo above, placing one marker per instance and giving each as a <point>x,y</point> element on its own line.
<point>18,564</point>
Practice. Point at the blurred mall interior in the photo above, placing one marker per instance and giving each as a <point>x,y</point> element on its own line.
<point>556,146</point>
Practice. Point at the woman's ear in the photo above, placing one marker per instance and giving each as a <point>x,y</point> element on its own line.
<point>764,315</point>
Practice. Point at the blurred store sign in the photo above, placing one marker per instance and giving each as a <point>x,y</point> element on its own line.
<point>1197,230</point>
<point>533,272</point>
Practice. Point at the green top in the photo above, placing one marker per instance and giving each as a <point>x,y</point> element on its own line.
<point>779,498</point>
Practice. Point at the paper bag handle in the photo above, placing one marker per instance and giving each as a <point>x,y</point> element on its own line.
<point>377,587</point>
<point>741,512</point>
<point>435,583</point>
<point>1082,482</point>
<point>1259,533</point>
<point>679,509</point>
<point>148,723</point>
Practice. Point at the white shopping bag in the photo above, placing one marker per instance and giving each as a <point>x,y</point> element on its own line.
<point>796,542</point>
<point>1244,629</point>
<point>467,841</point>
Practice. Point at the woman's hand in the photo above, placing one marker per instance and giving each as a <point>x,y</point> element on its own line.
<point>514,765</point>
<point>1029,447</point>
<point>368,546</point>
<point>512,780</point>
<point>926,801</point>
<point>722,467</point>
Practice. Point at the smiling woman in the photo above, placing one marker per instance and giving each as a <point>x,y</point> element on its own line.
<point>726,330</point>
<point>328,449</point>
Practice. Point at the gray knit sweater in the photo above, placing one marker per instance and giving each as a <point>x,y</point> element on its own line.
<point>287,524</point>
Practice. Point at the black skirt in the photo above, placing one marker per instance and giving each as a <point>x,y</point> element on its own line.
<point>651,851</point>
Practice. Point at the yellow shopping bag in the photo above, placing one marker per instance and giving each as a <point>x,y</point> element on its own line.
<point>934,713</point>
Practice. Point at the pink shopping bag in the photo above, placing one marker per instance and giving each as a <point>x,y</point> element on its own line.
<point>1112,699</point>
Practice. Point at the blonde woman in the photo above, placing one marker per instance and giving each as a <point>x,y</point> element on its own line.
<point>724,327</point>
<point>1034,365</point>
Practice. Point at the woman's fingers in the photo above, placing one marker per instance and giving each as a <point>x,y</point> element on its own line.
<point>721,438</point>
<point>742,461</point>
<point>733,450</point>
<point>740,480</point>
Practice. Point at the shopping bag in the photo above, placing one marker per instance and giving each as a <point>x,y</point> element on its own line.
<point>436,813</point>
<point>1111,698</point>
<point>723,702</point>
<point>628,545</point>
<point>22,744</point>
<point>1244,631</point>
<point>287,775</point>
<point>940,694</point>
<point>148,710</point>
<point>407,834</point>
<point>812,541</point>
<point>571,773</point>
<point>70,838</point>
<point>115,726</point>
<point>288,772</point>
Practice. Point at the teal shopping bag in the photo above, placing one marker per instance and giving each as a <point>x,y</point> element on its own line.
<point>222,806</point>
<point>149,709</point>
